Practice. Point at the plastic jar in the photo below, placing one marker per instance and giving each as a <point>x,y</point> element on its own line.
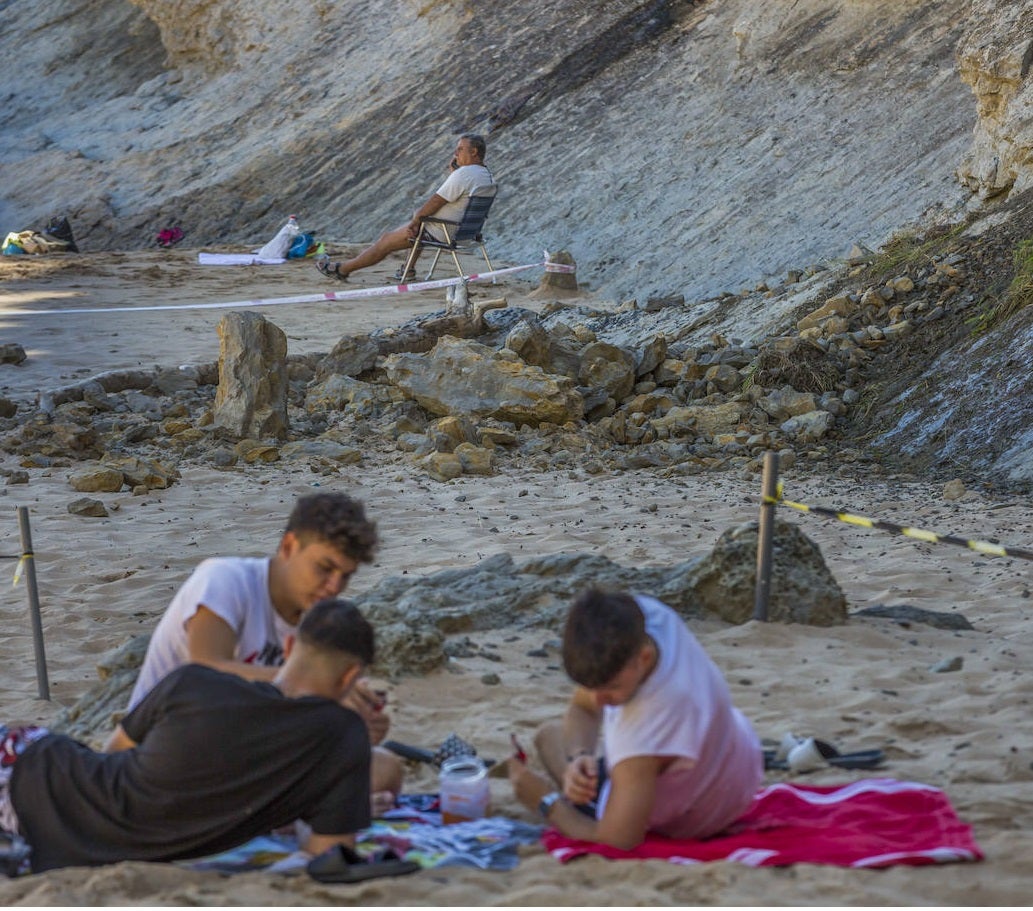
<point>465,794</point>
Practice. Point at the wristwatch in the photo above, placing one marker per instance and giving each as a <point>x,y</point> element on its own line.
<point>545,804</point>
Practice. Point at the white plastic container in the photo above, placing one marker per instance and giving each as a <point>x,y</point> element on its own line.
<point>465,794</point>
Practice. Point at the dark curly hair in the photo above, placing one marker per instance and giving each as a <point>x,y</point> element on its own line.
<point>604,629</point>
<point>337,519</point>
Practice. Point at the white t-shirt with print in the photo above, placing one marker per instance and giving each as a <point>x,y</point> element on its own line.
<point>236,589</point>
<point>684,710</point>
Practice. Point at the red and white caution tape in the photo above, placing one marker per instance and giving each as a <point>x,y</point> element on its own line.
<point>351,294</point>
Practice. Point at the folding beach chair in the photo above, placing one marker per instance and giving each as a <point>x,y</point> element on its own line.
<point>463,236</point>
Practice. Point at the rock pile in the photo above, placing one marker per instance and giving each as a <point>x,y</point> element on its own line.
<point>511,386</point>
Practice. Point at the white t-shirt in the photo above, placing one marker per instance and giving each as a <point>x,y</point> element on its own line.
<point>236,589</point>
<point>684,709</point>
<point>456,191</point>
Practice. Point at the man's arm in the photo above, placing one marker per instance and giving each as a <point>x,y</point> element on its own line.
<point>626,816</point>
<point>118,741</point>
<point>428,208</point>
<point>211,641</point>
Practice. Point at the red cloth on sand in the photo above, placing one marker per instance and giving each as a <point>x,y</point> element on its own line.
<point>876,822</point>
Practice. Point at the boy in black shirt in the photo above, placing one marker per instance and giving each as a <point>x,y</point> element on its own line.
<point>208,761</point>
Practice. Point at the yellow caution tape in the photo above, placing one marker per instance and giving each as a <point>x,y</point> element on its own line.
<point>930,537</point>
<point>20,567</point>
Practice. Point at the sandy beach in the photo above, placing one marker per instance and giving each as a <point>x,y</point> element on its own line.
<point>867,684</point>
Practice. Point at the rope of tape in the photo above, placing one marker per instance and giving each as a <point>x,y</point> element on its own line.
<point>20,568</point>
<point>930,537</point>
<point>310,298</point>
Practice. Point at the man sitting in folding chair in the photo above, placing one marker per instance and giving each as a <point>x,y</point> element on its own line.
<point>448,203</point>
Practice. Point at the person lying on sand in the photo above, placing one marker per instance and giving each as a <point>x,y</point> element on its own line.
<point>466,173</point>
<point>678,758</point>
<point>201,766</point>
<point>235,613</point>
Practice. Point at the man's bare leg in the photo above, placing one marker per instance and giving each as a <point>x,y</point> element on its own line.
<point>387,243</point>
<point>550,742</point>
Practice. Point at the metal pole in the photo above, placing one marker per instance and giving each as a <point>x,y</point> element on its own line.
<point>34,614</point>
<point>765,534</point>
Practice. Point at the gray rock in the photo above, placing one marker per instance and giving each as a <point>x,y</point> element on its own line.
<point>907,613</point>
<point>252,397</point>
<point>12,353</point>
<point>605,366</point>
<point>86,506</point>
<point>802,588</point>
<point>465,377</point>
<point>97,479</point>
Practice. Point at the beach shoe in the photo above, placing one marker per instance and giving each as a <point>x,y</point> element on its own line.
<point>786,745</point>
<point>453,747</point>
<point>405,279</point>
<point>329,269</point>
<point>340,864</point>
<point>811,754</point>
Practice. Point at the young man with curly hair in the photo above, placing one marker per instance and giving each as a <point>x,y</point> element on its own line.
<point>234,614</point>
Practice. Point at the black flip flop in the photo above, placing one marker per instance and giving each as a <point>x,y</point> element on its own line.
<point>340,864</point>
<point>451,747</point>
<point>861,759</point>
<point>416,754</point>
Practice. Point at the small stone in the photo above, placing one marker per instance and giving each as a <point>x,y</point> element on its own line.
<point>947,665</point>
<point>12,353</point>
<point>86,506</point>
<point>954,490</point>
<point>491,679</point>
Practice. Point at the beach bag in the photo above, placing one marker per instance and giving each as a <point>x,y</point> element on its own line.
<point>12,245</point>
<point>58,233</point>
<point>300,246</point>
<point>25,242</point>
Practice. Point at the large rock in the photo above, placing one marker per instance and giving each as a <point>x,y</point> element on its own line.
<point>993,58</point>
<point>465,377</point>
<point>802,590</point>
<point>252,397</point>
<point>607,367</point>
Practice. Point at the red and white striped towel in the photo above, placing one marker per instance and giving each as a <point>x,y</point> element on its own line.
<point>876,822</point>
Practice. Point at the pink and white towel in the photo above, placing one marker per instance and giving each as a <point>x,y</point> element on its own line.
<point>876,822</point>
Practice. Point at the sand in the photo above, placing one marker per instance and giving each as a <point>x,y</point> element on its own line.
<point>867,684</point>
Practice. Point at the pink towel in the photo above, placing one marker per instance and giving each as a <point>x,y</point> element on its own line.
<point>876,822</point>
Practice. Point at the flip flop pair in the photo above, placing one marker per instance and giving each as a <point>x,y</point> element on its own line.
<point>340,864</point>
<point>800,754</point>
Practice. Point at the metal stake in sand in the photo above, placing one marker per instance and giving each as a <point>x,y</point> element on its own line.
<point>29,564</point>
<point>765,534</point>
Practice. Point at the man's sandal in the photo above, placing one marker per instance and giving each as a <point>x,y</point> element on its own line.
<point>331,270</point>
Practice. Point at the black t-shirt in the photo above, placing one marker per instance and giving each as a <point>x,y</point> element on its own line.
<point>219,760</point>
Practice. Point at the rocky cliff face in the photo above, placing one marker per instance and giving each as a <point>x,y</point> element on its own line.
<point>670,145</point>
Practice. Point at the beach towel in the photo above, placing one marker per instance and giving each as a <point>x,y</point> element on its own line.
<point>413,830</point>
<point>875,822</point>
<point>237,259</point>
